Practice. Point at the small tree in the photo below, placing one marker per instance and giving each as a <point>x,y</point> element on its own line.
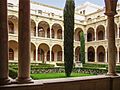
<point>82,49</point>
<point>68,36</point>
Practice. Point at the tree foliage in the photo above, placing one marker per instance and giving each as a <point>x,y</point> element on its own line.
<point>82,49</point>
<point>69,10</point>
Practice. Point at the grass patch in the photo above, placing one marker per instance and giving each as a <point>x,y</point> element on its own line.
<point>56,75</point>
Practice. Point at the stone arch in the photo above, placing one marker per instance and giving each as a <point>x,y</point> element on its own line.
<point>13,50</point>
<point>91,54</point>
<point>12,24</point>
<point>42,52</point>
<point>57,50</point>
<point>56,31</point>
<point>77,54</point>
<point>101,54</point>
<point>90,34</point>
<point>100,32</point>
<point>43,28</point>
<point>77,34</point>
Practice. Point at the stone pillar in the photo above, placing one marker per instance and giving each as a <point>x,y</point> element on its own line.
<point>117,30</point>
<point>36,50</point>
<point>96,59</point>
<point>106,57</point>
<point>45,60</point>
<point>110,11</point>
<point>62,55</point>
<point>24,42</point>
<point>3,43</point>
<point>111,46</point>
<point>106,33</point>
<point>50,54</point>
<point>36,29</point>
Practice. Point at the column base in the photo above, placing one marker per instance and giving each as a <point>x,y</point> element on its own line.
<point>24,80</point>
<point>111,74</point>
<point>5,81</point>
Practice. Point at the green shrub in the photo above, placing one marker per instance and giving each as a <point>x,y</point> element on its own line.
<point>89,65</point>
<point>12,73</point>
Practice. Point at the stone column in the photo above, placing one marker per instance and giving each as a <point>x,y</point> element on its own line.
<point>3,43</point>
<point>106,58</point>
<point>111,46</point>
<point>106,33</point>
<point>36,50</point>
<point>36,30</point>
<point>24,42</point>
<point>62,55</point>
<point>96,59</point>
<point>50,54</point>
<point>110,11</point>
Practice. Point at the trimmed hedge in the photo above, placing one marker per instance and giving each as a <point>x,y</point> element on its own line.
<point>89,65</point>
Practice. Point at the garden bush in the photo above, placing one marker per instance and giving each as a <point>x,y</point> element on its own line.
<point>12,73</point>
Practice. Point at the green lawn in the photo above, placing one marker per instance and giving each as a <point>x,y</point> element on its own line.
<point>56,75</point>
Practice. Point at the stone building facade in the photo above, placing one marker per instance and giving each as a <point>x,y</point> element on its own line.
<point>47,33</point>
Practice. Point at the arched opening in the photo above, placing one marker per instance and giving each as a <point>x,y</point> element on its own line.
<point>101,54</point>
<point>100,35</point>
<point>43,29</point>
<point>41,32</point>
<point>12,24</point>
<point>13,50</point>
<point>91,54</point>
<point>77,54</point>
<point>89,37</point>
<point>57,52</point>
<point>90,34</point>
<point>40,55</point>
<point>43,52</point>
<point>77,34</point>
<point>100,32</point>
<point>11,54</point>
<point>59,56</point>
<point>59,34</point>
<point>56,31</point>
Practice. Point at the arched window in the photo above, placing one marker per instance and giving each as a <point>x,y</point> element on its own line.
<point>11,54</point>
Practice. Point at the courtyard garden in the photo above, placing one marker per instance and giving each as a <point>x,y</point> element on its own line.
<point>49,71</point>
